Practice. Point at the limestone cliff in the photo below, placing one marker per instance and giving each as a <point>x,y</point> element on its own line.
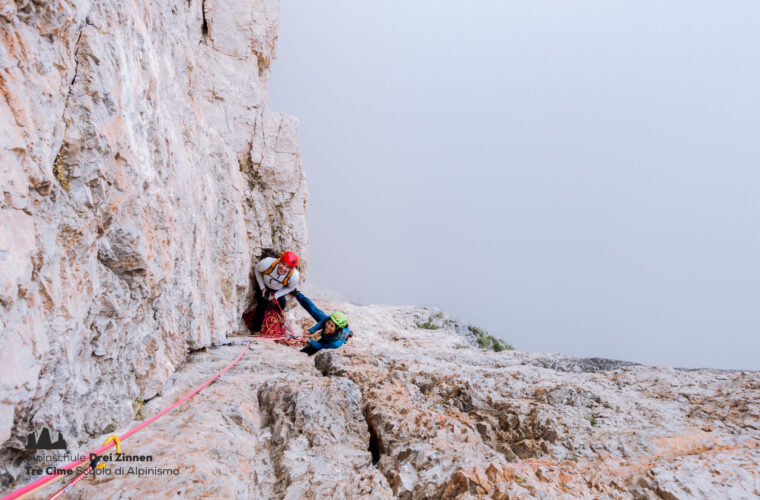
<point>141,173</point>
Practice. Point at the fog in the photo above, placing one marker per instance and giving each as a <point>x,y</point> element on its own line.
<point>575,177</point>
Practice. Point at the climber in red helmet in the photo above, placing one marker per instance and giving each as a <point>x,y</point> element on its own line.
<point>276,278</point>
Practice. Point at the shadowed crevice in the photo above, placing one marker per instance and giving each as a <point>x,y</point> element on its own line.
<point>375,445</point>
<point>204,24</point>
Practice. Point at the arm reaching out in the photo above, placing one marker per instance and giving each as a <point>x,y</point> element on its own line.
<point>326,345</point>
<point>318,326</point>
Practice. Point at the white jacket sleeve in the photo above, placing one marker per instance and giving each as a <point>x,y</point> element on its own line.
<point>259,269</point>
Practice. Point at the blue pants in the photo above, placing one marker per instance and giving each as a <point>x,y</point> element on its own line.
<point>319,316</point>
<point>315,312</point>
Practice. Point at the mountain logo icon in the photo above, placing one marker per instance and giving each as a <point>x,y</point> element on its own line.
<point>44,442</point>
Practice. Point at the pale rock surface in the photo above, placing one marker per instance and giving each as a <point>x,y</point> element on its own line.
<point>141,175</point>
<point>407,412</point>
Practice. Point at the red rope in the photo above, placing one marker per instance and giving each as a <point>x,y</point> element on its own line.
<point>71,484</point>
<point>282,313</point>
<point>294,341</point>
<point>41,482</point>
<point>272,325</point>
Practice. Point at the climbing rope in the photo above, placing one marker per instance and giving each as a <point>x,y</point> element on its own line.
<point>43,481</point>
<point>282,315</point>
<point>73,483</point>
<point>292,339</point>
<point>232,343</point>
<point>274,327</point>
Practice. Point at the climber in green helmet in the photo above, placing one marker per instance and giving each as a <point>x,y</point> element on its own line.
<point>334,328</point>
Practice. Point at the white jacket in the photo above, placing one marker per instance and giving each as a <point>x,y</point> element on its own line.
<point>273,281</point>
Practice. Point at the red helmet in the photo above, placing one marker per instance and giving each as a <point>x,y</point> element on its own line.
<point>290,259</point>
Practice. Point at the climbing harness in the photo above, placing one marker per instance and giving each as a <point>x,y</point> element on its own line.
<point>112,441</point>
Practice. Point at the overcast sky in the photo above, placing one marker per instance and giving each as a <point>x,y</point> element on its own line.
<point>576,177</point>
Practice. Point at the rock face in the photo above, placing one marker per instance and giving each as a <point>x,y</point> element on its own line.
<point>452,421</point>
<point>141,175</point>
<point>407,412</point>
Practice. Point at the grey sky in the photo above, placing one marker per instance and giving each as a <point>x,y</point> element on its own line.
<point>576,177</point>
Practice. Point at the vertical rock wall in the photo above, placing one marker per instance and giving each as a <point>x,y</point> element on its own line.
<point>141,174</point>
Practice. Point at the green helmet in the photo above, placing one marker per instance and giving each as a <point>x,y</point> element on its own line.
<point>339,319</point>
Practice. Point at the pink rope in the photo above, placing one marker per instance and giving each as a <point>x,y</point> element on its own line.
<point>71,484</point>
<point>39,483</point>
<point>282,313</point>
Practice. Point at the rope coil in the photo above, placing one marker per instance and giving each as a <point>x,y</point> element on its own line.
<point>273,327</point>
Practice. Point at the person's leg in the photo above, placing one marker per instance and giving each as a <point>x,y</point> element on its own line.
<point>313,310</point>
<point>258,315</point>
<point>309,350</point>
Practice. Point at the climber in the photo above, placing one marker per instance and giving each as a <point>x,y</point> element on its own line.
<point>334,328</point>
<point>276,278</point>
